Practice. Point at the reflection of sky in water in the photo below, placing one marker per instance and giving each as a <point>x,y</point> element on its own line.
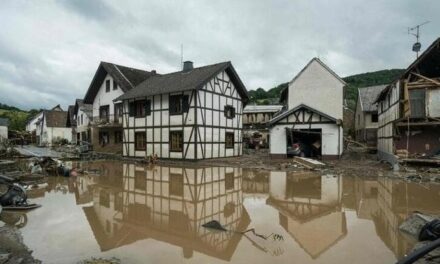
<point>322,219</point>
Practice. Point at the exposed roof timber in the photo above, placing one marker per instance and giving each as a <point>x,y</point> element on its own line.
<point>426,78</point>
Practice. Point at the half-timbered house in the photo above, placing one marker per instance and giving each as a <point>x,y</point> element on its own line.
<point>110,81</point>
<point>409,111</point>
<point>366,117</point>
<point>191,114</point>
<point>312,118</point>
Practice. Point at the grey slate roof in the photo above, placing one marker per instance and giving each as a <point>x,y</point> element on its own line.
<point>4,121</point>
<point>86,108</point>
<point>184,81</point>
<point>367,96</point>
<point>71,122</point>
<point>126,78</point>
<point>55,118</point>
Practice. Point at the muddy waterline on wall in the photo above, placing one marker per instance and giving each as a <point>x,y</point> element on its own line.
<point>154,214</point>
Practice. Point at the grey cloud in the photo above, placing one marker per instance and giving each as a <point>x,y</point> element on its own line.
<point>51,55</point>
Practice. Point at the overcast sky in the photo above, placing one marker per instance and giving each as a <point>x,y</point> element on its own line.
<point>50,50</point>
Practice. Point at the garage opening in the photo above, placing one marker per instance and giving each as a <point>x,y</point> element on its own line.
<point>304,142</point>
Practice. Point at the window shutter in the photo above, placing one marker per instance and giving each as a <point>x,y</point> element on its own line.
<point>131,109</point>
<point>148,107</point>
<point>185,103</point>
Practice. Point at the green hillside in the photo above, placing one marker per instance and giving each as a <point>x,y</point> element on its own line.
<point>17,117</point>
<point>260,96</point>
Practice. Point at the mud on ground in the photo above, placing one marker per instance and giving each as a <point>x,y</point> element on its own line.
<point>12,249</point>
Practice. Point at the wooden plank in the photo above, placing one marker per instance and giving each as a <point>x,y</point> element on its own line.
<point>426,78</point>
<point>308,163</point>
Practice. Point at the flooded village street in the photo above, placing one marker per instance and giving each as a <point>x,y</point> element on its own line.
<point>139,213</point>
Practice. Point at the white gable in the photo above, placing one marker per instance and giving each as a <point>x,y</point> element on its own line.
<point>319,88</point>
<point>106,98</point>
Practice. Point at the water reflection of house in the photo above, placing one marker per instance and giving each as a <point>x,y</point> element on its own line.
<point>255,181</point>
<point>170,205</point>
<point>309,208</point>
<point>396,201</point>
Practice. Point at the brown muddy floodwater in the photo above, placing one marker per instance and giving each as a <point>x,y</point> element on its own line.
<point>143,214</point>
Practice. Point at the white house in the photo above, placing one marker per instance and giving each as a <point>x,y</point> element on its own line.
<point>366,116</point>
<point>409,111</point>
<point>110,81</point>
<point>192,114</point>
<point>313,116</point>
<point>52,127</point>
<point>82,114</point>
<point>31,125</point>
<point>4,123</point>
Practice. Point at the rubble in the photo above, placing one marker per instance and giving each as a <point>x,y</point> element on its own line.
<point>12,249</point>
<point>413,226</point>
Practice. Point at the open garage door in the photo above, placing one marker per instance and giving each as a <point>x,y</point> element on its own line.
<point>304,142</point>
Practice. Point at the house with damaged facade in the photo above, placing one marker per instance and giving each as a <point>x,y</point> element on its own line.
<point>109,82</point>
<point>409,111</point>
<point>192,114</point>
<point>255,123</point>
<point>311,122</point>
<point>366,116</point>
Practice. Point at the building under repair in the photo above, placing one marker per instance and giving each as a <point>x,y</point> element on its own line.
<point>409,112</point>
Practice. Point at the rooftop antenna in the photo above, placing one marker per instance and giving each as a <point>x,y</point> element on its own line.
<point>181,56</point>
<point>416,46</point>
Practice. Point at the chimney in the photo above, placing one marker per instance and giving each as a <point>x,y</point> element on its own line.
<point>187,66</point>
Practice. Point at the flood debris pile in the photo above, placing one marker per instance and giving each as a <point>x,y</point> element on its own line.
<point>12,249</point>
<point>426,230</point>
<point>7,149</point>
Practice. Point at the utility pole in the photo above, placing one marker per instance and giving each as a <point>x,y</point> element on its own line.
<point>416,46</point>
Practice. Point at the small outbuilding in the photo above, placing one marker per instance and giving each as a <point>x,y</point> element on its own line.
<point>312,117</point>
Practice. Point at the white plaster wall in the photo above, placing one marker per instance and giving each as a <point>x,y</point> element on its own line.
<point>3,132</point>
<point>329,142</point>
<point>319,89</point>
<point>104,98</point>
<point>81,127</point>
<point>31,126</point>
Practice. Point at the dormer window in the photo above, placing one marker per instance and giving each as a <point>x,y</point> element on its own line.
<point>107,86</point>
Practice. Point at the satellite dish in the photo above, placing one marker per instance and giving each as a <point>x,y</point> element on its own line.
<point>416,47</point>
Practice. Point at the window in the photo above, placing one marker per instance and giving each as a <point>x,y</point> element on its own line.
<point>140,181</point>
<point>103,138</point>
<point>139,138</point>
<point>178,104</point>
<point>118,110</point>
<point>176,141</point>
<point>142,108</point>
<point>118,137</point>
<point>176,184</point>
<point>374,118</point>
<point>107,86</point>
<point>115,85</point>
<point>229,139</point>
<point>119,202</point>
<point>104,198</point>
<point>82,120</point>
<point>229,111</point>
<point>229,180</point>
<point>104,112</point>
